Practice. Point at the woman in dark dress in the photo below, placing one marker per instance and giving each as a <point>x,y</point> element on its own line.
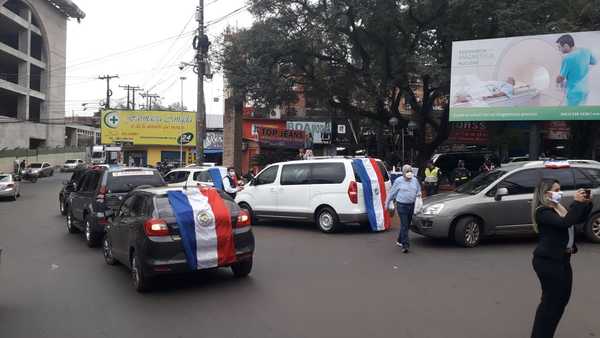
<point>552,256</point>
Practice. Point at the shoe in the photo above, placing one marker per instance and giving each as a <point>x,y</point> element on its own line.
<point>399,244</point>
<point>404,250</point>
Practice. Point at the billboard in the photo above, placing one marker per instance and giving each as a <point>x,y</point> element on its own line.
<point>540,77</point>
<point>278,137</point>
<point>320,131</point>
<point>148,127</point>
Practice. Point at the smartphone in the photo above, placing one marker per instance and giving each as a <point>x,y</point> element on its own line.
<point>588,193</point>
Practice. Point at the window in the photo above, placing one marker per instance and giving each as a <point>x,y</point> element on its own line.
<point>202,176</point>
<point>594,174</point>
<point>522,182</point>
<point>138,207</point>
<point>328,173</point>
<point>384,172</point>
<point>125,210</point>
<point>582,181</point>
<point>177,177</point>
<point>127,180</point>
<point>164,207</point>
<point>46,165</point>
<point>90,182</point>
<point>295,174</point>
<point>268,176</point>
<point>564,176</point>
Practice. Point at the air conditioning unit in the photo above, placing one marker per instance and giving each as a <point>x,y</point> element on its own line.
<point>275,113</point>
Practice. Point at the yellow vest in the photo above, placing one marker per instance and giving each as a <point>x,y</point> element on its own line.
<point>431,175</point>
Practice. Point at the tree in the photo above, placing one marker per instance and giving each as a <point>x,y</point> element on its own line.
<point>366,57</point>
<point>176,107</point>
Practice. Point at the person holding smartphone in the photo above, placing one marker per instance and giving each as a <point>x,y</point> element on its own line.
<point>552,256</point>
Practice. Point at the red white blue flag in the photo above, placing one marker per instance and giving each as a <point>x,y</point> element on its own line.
<point>205,227</point>
<point>373,186</point>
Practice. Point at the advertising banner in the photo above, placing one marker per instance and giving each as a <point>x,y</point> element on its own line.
<point>320,131</point>
<point>213,140</point>
<point>148,127</point>
<point>557,130</point>
<point>468,133</point>
<point>541,77</point>
<point>277,137</point>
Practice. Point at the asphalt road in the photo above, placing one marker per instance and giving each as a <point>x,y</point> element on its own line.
<point>304,284</point>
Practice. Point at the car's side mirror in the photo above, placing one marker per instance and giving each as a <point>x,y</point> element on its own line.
<point>501,192</point>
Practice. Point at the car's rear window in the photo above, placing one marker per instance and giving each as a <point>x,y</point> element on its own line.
<point>127,180</point>
<point>4,178</point>
<point>35,165</point>
<point>70,161</point>
<point>381,166</point>
<point>328,173</point>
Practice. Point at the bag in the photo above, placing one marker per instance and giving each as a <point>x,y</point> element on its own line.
<point>391,209</point>
<point>418,205</point>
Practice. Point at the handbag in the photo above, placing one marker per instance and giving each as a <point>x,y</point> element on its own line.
<point>418,205</point>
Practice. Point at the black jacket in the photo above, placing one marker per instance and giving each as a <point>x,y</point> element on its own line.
<point>553,229</point>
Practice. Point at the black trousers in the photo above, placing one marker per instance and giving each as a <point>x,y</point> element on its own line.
<point>556,278</point>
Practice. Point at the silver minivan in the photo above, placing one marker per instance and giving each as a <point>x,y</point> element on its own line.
<point>499,202</point>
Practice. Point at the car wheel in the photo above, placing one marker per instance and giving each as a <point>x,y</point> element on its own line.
<point>248,209</point>
<point>327,220</point>
<point>61,207</point>
<point>69,221</point>
<point>242,269</point>
<point>92,239</point>
<point>107,251</point>
<point>51,173</point>
<point>141,283</point>
<point>592,228</point>
<point>33,179</point>
<point>467,232</point>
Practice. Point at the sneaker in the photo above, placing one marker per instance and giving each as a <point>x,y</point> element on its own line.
<point>399,244</point>
<point>404,250</point>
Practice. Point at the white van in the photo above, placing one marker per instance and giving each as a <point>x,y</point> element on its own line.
<point>325,191</point>
<point>191,177</point>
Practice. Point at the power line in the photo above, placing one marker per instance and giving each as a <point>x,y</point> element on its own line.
<point>237,11</point>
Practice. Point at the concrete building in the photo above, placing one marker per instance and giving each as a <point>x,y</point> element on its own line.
<point>33,47</point>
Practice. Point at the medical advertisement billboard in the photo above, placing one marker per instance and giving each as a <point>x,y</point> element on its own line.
<point>540,77</point>
<point>148,127</point>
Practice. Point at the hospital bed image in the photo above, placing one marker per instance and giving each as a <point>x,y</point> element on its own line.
<point>490,94</point>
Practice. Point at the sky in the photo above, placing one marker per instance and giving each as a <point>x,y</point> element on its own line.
<point>142,42</point>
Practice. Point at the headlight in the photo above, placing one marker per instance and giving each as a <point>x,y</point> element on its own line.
<point>433,209</point>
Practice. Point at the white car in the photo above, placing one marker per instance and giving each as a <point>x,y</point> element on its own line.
<point>9,186</point>
<point>191,177</point>
<point>327,192</point>
<point>70,165</point>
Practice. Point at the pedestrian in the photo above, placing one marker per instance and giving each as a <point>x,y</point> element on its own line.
<point>230,183</point>
<point>404,194</point>
<point>300,154</point>
<point>131,161</point>
<point>552,256</point>
<point>487,166</point>
<point>308,146</point>
<point>461,174</point>
<point>432,178</point>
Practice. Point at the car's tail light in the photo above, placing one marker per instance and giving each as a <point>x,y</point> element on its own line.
<point>243,219</point>
<point>353,192</point>
<point>156,227</point>
<point>101,194</point>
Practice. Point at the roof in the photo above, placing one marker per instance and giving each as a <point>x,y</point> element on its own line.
<point>542,164</point>
<point>68,8</point>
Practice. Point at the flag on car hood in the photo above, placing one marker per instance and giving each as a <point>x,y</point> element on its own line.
<point>374,193</point>
<point>205,227</point>
<point>217,177</point>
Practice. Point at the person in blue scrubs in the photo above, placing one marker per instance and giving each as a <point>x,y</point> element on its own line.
<point>574,70</point>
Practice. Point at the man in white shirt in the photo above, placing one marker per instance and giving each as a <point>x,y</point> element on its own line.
<point>230,184</point>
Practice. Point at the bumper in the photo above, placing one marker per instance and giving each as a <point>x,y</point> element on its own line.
<point>353,218</point>
<point>7,193</point>
<point>164,255</point>
<point>431,226</point>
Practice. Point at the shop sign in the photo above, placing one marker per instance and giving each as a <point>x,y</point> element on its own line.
<point>468,133</point>
<point>213,140</point>
<point>280,137</point>
<point>321,131</point>
<point>557,130</point>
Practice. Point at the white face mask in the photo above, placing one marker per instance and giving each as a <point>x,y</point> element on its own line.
<point>408,175</point>
<point>556,196</point>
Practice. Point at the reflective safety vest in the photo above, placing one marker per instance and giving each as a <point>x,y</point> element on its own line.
<point>431,175</point>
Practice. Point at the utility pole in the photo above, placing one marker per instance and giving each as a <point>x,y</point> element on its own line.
<point>149,99</point>
<point>108,91</point>
<point>131,89</point>
<point>182,78</point>
<point>201,45</point>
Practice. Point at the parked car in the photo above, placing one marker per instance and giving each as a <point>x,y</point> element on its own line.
<point>70,165</point>
<point>144,236</point>
<point>103,189</point>
<point>499,202</point>
<point>38,170</point>
<point>9,186</point>
<point>327,192</point>
<point>191,177</point>
<point>70,186</point>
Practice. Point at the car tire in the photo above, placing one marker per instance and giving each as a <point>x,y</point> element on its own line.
<point>242,269</point>
<point>467,232</point>
<point>109,258</point>
<point>70,222</point>
<point>92,239</point>
<point>141,282</point>
<point>33,179</point>
<point>51,173</point>
<point>327,220</point>
<point>592,228</point>
<point>245,206</point>
<point>61,207</point>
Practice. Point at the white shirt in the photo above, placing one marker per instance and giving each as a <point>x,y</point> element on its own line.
<point>227,187</point>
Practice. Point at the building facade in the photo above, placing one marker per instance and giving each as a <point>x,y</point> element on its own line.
<point>33,47</point>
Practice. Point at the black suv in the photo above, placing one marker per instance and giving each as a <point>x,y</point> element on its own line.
<point>69,186</point>
<point>103,189</point>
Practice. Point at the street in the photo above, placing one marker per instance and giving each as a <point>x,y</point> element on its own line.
<point>304,284</point>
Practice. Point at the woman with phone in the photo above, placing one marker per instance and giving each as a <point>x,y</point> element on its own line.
<point>552,256</point>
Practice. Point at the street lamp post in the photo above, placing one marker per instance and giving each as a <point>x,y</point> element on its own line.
<point>394,122</point>
<point>183,78</point>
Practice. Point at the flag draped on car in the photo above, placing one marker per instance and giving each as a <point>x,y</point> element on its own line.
<point>205,227</point>
<point>217,176</point>
<point>374,193</point>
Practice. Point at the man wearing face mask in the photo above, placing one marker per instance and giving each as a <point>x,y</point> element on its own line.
<point>404,194</point>
<point>230,184</point>
<point>552,256</point>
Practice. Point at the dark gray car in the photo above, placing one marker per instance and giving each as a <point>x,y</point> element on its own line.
<point>499,202</point>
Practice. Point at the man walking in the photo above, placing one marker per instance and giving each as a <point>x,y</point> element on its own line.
<point>404,194</point>
<point>574,70</point>
<point>432,176</point>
